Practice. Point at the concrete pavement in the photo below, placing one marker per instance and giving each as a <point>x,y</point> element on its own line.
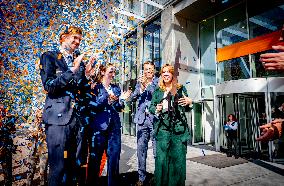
<point>251,173</point>
<point>199,174</point>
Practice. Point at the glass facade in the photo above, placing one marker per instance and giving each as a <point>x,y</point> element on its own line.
<point>231,26</point>
<point>236,24</point>
<point>152,43</point>
<point>151,51</point>
<point>113,55</point>
<point>207,52</point>
<point>242,22</point>
<point>130,76</point>
<point>263,20</point>
<point>234,69</point>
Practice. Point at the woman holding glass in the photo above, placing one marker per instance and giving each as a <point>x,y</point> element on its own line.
<point>169,103</point>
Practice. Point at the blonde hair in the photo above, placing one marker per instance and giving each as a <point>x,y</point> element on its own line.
<point>171,70</point>
<point>70,30</point>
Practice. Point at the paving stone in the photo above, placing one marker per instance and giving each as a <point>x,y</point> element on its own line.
<point>200,174</point>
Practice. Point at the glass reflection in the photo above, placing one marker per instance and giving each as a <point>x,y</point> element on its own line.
<point>130,76</point>
<point>234,69</point>
<point>231,26</point>
<point>207,52</point>
<point>152,43</point>
<point>265,22</point>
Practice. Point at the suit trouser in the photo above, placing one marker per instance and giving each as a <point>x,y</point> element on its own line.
<point>6,162</point>
<point>99,141</point>
<point>145,132</point>
<point>170,162</point>
<point>62,142</point>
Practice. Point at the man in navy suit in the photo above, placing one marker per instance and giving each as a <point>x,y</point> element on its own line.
<point>62,74</point>
<point>144,89</point>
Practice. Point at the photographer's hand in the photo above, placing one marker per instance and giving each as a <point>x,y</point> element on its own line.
<point>267,132</point>
<point>273,61</point>
<point>269,129</point>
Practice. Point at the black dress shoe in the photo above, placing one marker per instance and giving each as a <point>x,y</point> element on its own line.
<point>139,183</point>
<point>229,155</point>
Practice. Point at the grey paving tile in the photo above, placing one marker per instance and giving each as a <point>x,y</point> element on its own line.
<point>200,174</point>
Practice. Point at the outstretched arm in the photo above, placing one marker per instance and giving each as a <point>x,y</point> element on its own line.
<point>271,130</point>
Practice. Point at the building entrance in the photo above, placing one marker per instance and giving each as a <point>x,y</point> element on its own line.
<point>250,110</point>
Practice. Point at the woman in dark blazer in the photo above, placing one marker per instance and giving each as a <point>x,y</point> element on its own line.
<point>169,103</point>
<point>231,128</point>
<point>104,131</point>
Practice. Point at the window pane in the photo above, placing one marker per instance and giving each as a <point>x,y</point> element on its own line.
<point>231,26</point>
<point>130,59</point>
<point>234,69</point>
<point>263,20</point>
<point>130,72</point>
<point>152,43</point>
<point>207,52</point>
<point>148,46</point>
<point>157,53</point>
<point>114,54</point>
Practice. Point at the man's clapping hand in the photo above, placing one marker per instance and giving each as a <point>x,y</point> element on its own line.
<point>76,63</point>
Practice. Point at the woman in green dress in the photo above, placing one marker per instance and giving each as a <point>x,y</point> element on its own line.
<point>169,103</point>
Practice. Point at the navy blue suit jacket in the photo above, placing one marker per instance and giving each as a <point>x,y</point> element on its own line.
<point>102,113</point>
<point>144,101</point>
<point>62,87</point>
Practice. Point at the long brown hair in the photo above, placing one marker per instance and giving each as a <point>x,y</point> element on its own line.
<point>162,83</point>
<point>102,69</point>
<point>233,117</point>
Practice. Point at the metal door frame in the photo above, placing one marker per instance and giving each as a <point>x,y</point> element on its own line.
<point>202,101</point>
<point>202,125</point>
<point>254,105</point>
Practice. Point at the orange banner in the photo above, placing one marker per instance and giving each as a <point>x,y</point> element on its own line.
<point>258,44</point>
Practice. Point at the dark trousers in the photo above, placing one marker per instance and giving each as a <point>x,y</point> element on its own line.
<point>62,143</point>
<point>232,144</point>
<point>6,163</point>
<point>144,134</point>
<point>99,141</point>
